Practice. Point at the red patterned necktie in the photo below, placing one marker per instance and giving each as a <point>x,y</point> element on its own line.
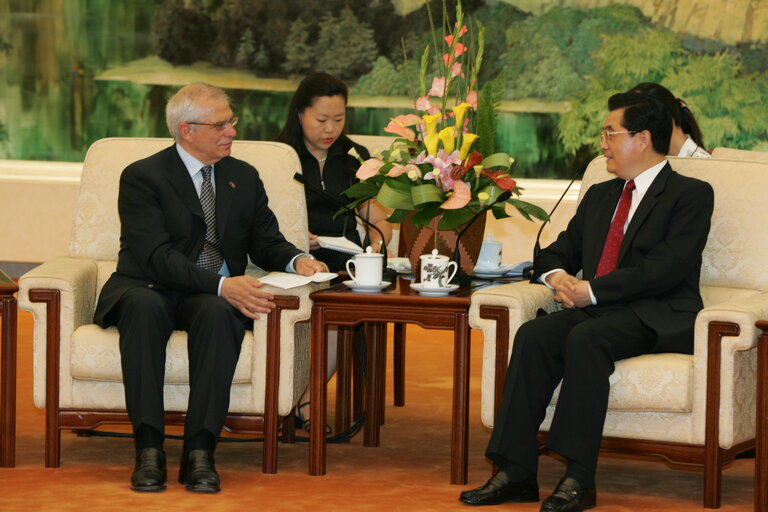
<point>609,258</point>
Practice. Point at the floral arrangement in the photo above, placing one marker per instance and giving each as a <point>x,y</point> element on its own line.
<point>430,169</point>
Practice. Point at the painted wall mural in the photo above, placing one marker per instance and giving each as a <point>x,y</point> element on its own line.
<point>74,71</point>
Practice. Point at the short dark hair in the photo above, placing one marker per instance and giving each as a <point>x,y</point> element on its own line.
<point>643,112</point>
<point>681,114</point>
<point>312,87</point>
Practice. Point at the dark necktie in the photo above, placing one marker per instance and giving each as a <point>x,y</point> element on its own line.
<point>609,258</point>
<point>210,258</point>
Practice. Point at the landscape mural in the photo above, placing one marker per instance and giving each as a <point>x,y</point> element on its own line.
<point>74,71</point>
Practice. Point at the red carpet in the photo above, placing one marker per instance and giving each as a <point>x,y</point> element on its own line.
<point>409,471</point>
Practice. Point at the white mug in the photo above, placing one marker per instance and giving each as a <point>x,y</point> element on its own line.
<point>436,270</point>
<point>490,254</point>
<point>368,268</point>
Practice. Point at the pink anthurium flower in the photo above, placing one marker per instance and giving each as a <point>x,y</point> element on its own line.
<point>398,129</point>
<point>460,197</point>
<point>369,168</point>
<point>397,170</point>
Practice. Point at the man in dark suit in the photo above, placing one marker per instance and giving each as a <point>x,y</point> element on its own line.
<point>190,216</point>
<point>637,241</point>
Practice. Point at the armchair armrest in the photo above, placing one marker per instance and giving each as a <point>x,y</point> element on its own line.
<point>61,295</point>
<point>499,311</point>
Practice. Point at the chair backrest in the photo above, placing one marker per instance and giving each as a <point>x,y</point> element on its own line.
<point>739,154</point>
<point>373,143</point>
<point>736,255</point>
<point>96,231</point>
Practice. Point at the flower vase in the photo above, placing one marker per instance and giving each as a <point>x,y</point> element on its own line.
<point>420,240</point>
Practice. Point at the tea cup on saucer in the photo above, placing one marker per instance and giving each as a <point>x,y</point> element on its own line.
<point>490,255</point>
<point>367,268</point>
<point>436,271</point>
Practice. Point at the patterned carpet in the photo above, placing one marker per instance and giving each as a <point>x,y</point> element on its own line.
<point>409,471</point>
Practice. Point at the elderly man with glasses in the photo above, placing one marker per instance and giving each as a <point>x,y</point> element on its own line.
<point>190,216</point>
<point>637,241</point>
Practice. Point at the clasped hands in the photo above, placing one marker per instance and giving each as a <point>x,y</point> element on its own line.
<point>246,295</point>
<point>570,291</point>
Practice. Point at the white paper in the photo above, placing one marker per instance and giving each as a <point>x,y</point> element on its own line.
<point>284,280</point>
<point>339,243</point>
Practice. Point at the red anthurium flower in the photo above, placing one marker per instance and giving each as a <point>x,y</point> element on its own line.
<point>501,179</point>
<point>474,158</point>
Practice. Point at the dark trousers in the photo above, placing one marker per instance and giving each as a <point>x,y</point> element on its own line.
<point>145,319</point>
<point>579,347</point>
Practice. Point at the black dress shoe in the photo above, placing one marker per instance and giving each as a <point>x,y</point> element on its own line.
<point>500,489</point>
<point>570,496</point>
<point>149,474</point>
<point>198,472</point>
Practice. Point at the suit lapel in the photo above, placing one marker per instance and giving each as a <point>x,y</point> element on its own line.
<point>182,183</point>
<point>644,208</point>
<point>226,187</point>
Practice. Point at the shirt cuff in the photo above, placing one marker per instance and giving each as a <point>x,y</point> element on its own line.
<point>591,295</point>
<point>543,277</point>
<point>291,267</point>
<point>221,282</point>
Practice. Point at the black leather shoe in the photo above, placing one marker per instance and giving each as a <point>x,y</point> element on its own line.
<point>198,472</point>
<point>149,474</point>
<point>500,489</point>
<point>570,496</point>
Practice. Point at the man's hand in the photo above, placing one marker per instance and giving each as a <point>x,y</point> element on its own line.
<point>570,291</point>
<point>244,293</point>
<point>313,243</point>
<point>308,266</point>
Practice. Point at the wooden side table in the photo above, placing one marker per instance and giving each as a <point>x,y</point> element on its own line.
<point>8,371</point>
<point>398,303</point>
<point>761,455</point>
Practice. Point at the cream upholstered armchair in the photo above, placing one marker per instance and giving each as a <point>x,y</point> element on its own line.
<point>689,409</point>
<point>77,374</point>
<point>739,154</point>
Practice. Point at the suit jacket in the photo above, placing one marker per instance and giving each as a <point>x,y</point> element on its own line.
<point>660,257</point>
<point>163,228</point>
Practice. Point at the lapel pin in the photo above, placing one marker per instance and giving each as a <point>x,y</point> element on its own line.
<point>232,185</point>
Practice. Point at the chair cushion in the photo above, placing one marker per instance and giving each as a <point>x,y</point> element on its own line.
<point>95,356</point>
<point>652,383</point>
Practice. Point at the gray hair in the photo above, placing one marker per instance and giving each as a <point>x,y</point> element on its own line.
<point>185,105</point>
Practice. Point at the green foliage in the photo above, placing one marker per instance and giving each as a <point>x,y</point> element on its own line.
<point>625,60</point>
<point>384,80</point>
<point>487,115</point>
<point>5,46</point>
<point>298,53</point>
<point>182,35</point>
<point>345,46</point>
<point>247,49</point>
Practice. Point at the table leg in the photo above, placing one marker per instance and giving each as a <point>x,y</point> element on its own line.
<point>373,379</point>
<point>398,363</point>
<point>318,365</point>
<point>8,384</point>
<point>460,418</point>
<point>761,455</point>
<point>343,376</point>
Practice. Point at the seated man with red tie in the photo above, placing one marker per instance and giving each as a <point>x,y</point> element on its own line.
<point>637,241</point>
<point>190,217</point>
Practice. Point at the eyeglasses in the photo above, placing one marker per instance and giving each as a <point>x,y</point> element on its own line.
<point>219,126</point>
<point>606,135</point>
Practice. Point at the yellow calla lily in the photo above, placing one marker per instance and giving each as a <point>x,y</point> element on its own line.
<point>430,142</point>
<point>459,111</point>
<point>466,143</point>
<point>430,123</point>
<point>447,137</point>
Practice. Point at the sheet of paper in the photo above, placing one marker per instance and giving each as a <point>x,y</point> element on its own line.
<point>285,281</point>
<point>339,243</point>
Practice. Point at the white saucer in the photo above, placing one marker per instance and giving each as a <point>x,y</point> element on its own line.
<point>367,288</point>
<point>433,292</point>
<point>490,272</point>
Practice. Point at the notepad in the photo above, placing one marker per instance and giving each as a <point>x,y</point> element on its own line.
<point>339,243</point>
<point>284,280</point>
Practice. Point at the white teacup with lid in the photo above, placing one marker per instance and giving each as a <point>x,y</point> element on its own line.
<point>490,255</point>
<point>368,267</point>
<point>436,270</point>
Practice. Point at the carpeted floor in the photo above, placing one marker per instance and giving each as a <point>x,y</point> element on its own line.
<point>409,471</point>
